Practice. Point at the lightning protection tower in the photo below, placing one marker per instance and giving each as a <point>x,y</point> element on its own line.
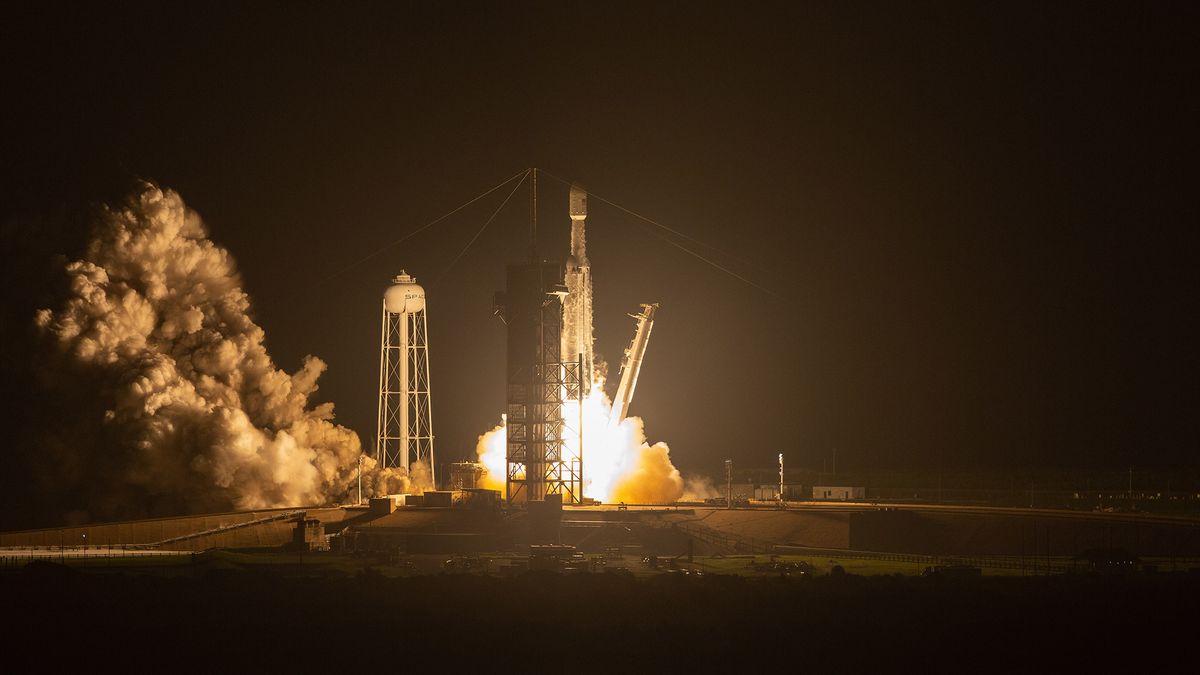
<point>405,430</point>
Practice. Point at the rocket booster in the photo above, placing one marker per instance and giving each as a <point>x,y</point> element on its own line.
<point>578,203</point>
<point>577,336</point>
<point>632,364</point>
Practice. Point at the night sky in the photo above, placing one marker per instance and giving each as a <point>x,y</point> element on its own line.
<point>975,220</point>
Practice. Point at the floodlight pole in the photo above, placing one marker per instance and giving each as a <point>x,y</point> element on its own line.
<point>729,483</point>
<point>781,501</point>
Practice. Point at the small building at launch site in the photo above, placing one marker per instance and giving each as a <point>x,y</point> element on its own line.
<point>465,475</point>
<point>838,492</point>
<point>309,535</point>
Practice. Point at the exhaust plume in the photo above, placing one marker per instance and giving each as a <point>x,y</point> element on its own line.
<point>619,464</point>
<point>183,409</point>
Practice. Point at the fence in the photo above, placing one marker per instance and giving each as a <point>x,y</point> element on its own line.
<point>19,557</point>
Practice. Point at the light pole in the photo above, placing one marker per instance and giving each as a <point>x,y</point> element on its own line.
<point>729,483</point>
<point>781,500</point>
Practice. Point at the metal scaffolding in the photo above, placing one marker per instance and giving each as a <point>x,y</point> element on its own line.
<point>563,473</point>
<point>540,461</point>
<point>539,379</point>
<point>405,427</point>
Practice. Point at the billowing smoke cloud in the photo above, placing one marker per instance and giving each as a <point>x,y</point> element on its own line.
<point>191,414</point>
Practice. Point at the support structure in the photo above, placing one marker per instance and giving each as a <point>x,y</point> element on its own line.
<point>538,384</point>
<point>538,380</point>
<point>729,483</point>
<point>405,426</point>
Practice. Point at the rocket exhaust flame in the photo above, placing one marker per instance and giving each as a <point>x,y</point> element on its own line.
<point>619,464</point>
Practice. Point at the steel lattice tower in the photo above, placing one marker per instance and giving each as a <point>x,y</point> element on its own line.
<point>539,381</point>
<point>539,460</point>
<point>405,428</point>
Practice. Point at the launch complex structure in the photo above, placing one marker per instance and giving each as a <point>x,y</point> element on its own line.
<point>546,308</point>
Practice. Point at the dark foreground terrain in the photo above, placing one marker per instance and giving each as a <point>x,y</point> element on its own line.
<point>57,619</point>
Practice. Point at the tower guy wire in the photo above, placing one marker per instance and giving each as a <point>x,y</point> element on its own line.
<point>520,174</point>
<point>492,217</point>
<point>706,259</point>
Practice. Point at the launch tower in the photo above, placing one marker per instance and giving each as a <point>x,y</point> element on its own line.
<point>405,428</point>
<point>539,380</point>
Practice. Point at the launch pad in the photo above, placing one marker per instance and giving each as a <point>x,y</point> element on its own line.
<point>546,308</point>
<point>1000,537</point>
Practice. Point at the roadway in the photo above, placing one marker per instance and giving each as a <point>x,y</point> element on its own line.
<point>863,506</point>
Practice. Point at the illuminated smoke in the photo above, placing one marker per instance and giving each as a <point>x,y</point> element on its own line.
<point>619,464</point>
<point>491,449</point>
<point>697,488</point>
<point>196,416</point>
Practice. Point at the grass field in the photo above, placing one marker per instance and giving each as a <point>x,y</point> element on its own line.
<point>326,564</point>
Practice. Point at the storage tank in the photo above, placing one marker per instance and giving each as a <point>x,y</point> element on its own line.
<point>405,426</point>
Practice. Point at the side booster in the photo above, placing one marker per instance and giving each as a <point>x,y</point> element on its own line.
<point>631,365</point>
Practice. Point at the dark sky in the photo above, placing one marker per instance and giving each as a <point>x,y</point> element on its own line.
<point>978,217</point>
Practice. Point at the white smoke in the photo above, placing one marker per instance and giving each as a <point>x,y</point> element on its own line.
<point>196,415</point>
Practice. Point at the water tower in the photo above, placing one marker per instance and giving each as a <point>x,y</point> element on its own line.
<point>405,430</point>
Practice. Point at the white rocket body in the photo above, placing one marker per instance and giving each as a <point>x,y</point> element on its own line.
<point>577,339</point>
<point>631,365</point>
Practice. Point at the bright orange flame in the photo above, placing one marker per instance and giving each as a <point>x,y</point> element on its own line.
<point>619,465</point>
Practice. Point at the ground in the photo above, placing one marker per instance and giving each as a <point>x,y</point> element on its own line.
<point>231,618</point>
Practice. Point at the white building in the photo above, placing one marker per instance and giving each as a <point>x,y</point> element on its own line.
<point>838,492</point>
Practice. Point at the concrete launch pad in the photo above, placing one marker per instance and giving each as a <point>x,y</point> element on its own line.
<point>915,529</point>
